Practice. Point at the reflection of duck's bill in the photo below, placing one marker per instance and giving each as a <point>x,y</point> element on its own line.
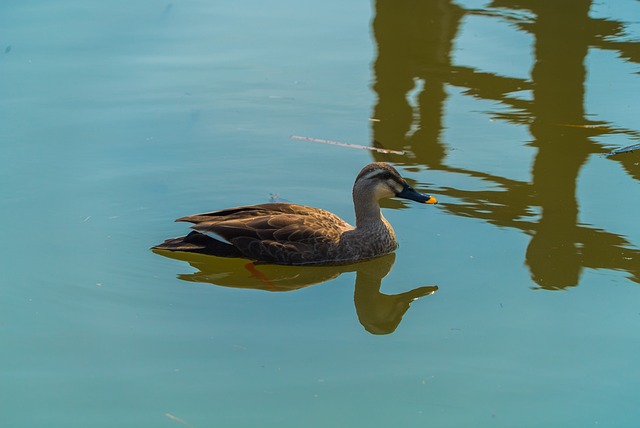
<point>421,292</point>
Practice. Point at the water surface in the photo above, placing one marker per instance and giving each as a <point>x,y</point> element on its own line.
<point>119,117</point>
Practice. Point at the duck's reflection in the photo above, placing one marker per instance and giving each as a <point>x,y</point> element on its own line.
<point>378,313</point>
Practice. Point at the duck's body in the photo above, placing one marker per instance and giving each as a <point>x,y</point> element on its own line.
<point>297,235</point>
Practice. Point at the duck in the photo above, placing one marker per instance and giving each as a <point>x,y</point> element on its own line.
<point>291,234</point>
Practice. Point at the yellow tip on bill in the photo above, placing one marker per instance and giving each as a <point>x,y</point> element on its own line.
<point>431,200</point>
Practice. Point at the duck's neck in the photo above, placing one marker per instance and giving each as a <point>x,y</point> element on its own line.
<point>367,210</point>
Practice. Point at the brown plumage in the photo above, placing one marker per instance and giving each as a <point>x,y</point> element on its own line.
<point>298,235</point>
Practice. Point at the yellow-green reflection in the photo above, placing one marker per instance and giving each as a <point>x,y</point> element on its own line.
<point>415,40</point>
<point>378,313</point>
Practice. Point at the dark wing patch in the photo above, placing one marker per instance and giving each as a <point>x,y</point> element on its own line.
<point>196,242</point>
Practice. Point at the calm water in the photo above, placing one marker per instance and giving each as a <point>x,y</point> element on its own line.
<point>118,117</point>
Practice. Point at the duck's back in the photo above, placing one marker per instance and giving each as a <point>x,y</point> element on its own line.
<point>276,232</point>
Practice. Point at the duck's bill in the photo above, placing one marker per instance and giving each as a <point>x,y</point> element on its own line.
<point>431,200</point>
<point>409,193</point>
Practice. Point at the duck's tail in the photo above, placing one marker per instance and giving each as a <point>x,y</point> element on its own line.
<point>197,242</point>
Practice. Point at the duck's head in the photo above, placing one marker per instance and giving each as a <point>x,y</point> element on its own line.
<point>384,181</point>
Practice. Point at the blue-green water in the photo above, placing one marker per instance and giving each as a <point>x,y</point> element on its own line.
<point>118,117</point>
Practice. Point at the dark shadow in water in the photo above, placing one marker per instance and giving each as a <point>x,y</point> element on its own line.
<point>378,313</point>
<point>415,40</point>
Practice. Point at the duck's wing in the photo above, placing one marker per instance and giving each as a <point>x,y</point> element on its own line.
<point>276,233</point>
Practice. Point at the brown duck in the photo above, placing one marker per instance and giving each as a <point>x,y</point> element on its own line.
<point>292,234</point>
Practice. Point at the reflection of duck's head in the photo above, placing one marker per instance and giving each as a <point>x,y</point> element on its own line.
<point>290,234</point>
<point>381,313</point>
<point>384,315</point>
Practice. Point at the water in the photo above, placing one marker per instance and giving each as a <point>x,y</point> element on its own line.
<point>119,117</point>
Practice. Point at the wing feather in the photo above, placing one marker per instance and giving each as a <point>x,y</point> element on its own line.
<point>281,233</point>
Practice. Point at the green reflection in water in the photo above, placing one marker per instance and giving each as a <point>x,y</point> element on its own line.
<point>378,313</point>
<point>415,42</point>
